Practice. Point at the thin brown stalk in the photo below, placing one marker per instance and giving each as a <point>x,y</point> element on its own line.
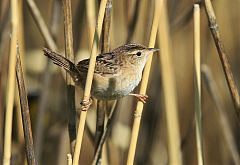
<point>107,129</point>
<point>169,89</point>
<point>197,83</point>
<point>25,113</point>
<point>17,101</point>
<point>222,119</point>
<point>105,48</point>
<point>100,113</point>
<point>70,84</point>
<point>222,55</point>
<point>41,25</point>
<point>106,27</point>
<point>11,84</point>
<point>143,87</point>
<point>89,79</point>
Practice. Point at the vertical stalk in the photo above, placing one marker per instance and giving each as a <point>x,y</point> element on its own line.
<point>169,89</point>
<point>222,55</point>
<point>25,113</point>
<point>143,87</point>
<point>197,83</point>
<point>103,104</point>
<point>11,84</point>
<point>89,79</point>
<point>70,84</point>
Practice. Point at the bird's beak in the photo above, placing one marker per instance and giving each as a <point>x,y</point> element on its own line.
<point>153,49</point>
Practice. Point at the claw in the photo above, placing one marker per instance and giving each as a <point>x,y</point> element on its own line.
<point>141,97</point>
<point>86,104</point>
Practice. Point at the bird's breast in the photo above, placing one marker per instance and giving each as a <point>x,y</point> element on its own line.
<point>111,87</point>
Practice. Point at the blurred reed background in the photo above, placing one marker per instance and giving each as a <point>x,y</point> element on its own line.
<point>131,21</point>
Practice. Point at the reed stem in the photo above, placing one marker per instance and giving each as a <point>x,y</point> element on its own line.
<point>197,83</point>
<point>89,79</point>
<point>25,113</point>
<point>70,84</point>
<point>11,84</point>
<point>213,26</point>
<point>169,89</point>
<point>143,87</point>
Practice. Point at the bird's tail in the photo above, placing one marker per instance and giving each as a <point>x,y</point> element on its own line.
<point>63,62</point>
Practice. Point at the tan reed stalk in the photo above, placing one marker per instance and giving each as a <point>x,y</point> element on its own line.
<point>25,113</point>
<point>69,159</point>
<point>143,87</point>
<point>17,101</point>
<point>103,104</point>
<point>70,84</point>
<point>41,25</point>
<point>197,83</point>
<point>222,119</point>
<point>169,89</point>
<point>91,20</point>
<point>89,79</point>
<point>10,84</point>
<point>222,55</point>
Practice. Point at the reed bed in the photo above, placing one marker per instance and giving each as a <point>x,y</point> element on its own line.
<point>191,115</point>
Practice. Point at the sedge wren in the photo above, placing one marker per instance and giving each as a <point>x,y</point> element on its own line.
<point>116,73</point>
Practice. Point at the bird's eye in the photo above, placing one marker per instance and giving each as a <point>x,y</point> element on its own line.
<point>139,53</point>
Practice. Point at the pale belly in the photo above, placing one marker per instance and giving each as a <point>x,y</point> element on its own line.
<point>105,88</point>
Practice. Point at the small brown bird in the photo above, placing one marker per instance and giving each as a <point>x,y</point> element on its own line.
<point>116,73</point>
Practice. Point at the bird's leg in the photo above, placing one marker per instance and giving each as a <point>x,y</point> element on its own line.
<point>86,104</point>
<point>140,97</point>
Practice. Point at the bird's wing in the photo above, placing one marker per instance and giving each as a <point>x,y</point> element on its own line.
<point>105,64</point>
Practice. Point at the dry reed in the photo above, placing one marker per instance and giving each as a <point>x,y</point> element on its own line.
<point>25,113</point>
<point>169,89</point>
<point>11,84</point>
<point>69,54</point>
<point>213,26</point>
<point>197,83</point>
<point>143,87</point>
<point>89,79</point>
<point>102,105</point>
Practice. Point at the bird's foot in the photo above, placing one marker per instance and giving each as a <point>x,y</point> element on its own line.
<point>86,104</point>
<point>140,97</point>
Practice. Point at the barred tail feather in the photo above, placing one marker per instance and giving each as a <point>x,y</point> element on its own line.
<point>63,62</point>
